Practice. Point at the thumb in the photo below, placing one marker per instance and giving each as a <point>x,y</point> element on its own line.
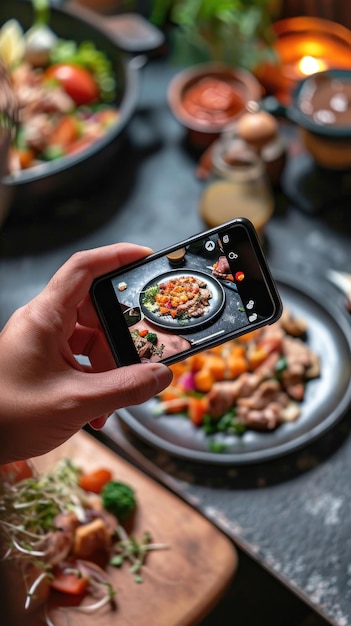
<point>104,392</point>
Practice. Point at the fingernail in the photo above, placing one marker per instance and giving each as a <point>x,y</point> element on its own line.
<point>163,374</point>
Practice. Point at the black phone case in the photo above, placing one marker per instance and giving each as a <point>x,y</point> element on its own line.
<point>116,329</point>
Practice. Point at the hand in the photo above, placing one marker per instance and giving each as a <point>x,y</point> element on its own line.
<point>45,394</point>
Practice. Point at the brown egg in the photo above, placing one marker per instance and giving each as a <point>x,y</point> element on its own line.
<point>257,129</point>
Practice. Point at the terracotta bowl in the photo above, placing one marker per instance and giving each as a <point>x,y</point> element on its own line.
<point>209,98</point>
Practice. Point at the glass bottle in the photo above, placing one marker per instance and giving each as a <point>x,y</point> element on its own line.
<point>238,187</point>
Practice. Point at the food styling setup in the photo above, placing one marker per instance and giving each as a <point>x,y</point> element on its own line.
<point>226,498</point>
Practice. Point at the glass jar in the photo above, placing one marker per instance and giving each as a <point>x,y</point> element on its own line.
<point>238,187</point>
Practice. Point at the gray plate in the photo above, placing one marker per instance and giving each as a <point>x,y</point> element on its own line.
<point>326,401</point>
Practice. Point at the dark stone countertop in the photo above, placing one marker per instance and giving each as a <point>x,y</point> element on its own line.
<point>293,515</point>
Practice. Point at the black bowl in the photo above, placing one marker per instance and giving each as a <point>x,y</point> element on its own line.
<point>34,189</point>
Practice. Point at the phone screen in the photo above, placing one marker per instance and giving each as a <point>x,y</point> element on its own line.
<point>209,289</point>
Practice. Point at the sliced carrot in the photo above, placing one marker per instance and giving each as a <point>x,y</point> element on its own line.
<point>69,582</point>
<point>203,380</point>
<point>217,366</point>
<point>178,369</point>
<point>237,349</point>
<point>256,357</point>
<point>197,410</point>
<point>172,392</point>
<point>143,332</point>
<point>177,405</point>
<point>95,481</point>
<point>66,131</point>
<point>217,349</point>
<point>236,365</point>
<point>197,361</point>
<point>253,334</point>
<point>25,157</point>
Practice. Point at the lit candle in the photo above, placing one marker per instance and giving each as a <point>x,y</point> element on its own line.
<point>305,66</point>
<point>309,65</point>
<point>304,46</point>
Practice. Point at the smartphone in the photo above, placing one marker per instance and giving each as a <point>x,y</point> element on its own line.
<point>184,299</point>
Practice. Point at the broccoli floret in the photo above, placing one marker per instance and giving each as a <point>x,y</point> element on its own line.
<point>152,337</point>
<point>119,499</point>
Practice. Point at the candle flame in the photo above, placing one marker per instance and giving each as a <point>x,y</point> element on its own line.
<point>310,65</point>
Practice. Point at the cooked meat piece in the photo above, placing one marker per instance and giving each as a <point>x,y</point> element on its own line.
<point>314,368</point>
<point>109,520</point>
<point>293,325</point>
<point>196,311</point>
<point>224,394</point>
<point>267,392</point>
<point>222,267</point>
<point>290,413</point>
<point>296,391</point>
<point>202,284</point>
<point>267,369</point>
<point>146,350</point>
<point>296,351</point>
<point>205,296</point>
<point>265,419</point>
<point>24,75</point>
<point>33,100</point>
<point>57,545</point>
<point>91,539</point>
<point>38,131</point>
<point>273,334</point>
<point>263,409</point>
<point>221,398</point>
<point>66,521</point>
<point>184,308</point>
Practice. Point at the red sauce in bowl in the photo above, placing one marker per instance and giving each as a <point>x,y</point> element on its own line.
<point>212,101</point>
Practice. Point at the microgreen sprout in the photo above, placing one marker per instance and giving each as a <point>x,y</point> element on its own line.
<point>127,548</point>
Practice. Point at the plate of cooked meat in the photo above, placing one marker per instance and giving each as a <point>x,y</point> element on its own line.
<point>260,396</point>
<point>182,299</point>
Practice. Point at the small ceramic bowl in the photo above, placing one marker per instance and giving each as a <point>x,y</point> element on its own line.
<point>322,105</point>
<point>321,108</point>
<point>209,98</point>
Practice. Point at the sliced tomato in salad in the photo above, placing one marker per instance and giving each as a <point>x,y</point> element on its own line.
<point>77,82</point>
<point>67,581</point>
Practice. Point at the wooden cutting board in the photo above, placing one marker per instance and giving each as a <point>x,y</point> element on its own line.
<point>181,584</point>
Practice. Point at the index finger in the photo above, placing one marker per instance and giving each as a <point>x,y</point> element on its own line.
<point>71,283</point>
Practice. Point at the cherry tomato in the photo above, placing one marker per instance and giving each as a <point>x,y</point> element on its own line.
<point>77,82</point>
<point>68,582</point>
<point>16,471</point>
<point>95,481</point>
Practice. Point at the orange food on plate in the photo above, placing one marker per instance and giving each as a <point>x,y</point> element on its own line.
<point>256,381</point>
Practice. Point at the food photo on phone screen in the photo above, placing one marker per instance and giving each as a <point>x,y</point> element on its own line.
<point>182,300</point>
